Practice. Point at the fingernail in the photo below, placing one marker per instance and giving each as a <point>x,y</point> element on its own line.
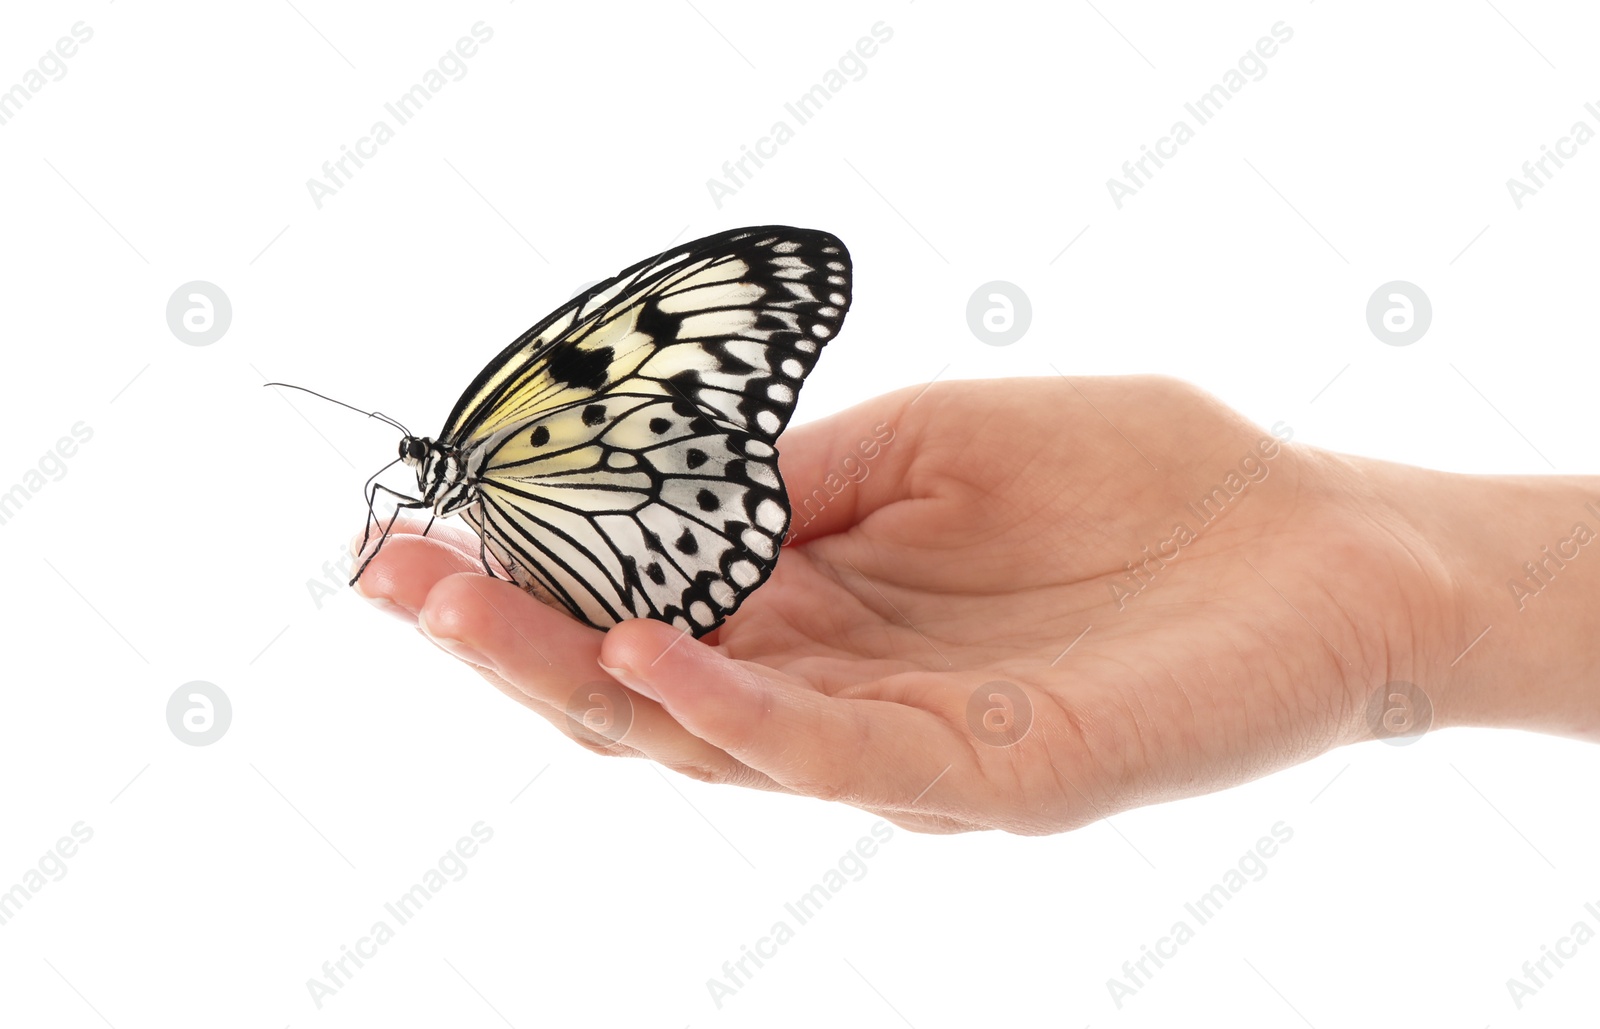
<point>455,648</point>
<point>633,683</point>
<point>388,605</point>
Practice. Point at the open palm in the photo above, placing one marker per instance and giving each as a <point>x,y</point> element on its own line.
<point>1016,604</point>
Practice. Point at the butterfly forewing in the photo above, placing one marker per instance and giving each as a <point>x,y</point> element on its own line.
<point>623,446</point>
<point>733,322</point>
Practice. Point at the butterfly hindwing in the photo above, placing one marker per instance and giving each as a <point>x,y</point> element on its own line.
<point>653,511</point>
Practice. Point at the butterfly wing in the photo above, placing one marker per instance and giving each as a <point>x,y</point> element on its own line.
<point>654,511</point>
<point>624,445</point>
<point>732,322</point>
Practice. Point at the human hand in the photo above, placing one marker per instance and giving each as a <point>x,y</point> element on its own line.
<point>1028,604</point>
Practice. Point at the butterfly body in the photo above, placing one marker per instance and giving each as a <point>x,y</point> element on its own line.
<point>618,458</point>
<point>448,483</point>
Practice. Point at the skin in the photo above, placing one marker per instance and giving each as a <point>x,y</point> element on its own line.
<point>990,541</point>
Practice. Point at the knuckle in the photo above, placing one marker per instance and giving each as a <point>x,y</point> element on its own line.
<point>698,772</point>
<point>597,744</point>
<point>830,790</point>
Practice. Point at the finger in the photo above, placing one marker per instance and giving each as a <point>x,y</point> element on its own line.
<point>536,705</point>
<point>398,579</point>
<point>863,752</point>
<point>388,539</point>
<point>841,468</point>
<point>932,825</point>
<point>551,658</point>
<point>405,571</point>
<point>451,532</point>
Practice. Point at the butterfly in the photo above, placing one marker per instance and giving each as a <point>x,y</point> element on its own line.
<point>617,459</point>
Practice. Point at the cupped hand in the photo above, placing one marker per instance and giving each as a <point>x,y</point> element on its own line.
<point>1017,604</point>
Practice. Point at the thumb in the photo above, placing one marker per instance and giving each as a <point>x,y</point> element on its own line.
<point>842,468</point>
<point>864,752</point>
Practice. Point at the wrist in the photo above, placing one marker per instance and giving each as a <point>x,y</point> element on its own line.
<point>1514,608</point>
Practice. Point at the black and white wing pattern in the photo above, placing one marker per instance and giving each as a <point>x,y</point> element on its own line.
<point>618,458</point>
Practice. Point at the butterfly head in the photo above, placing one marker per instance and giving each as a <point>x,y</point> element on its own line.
<point>414,450</point>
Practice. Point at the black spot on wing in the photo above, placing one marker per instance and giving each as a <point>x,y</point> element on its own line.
<point>656,323</point>
<point>580,367</point>
<point>685,383</point>
<point>730,363</point>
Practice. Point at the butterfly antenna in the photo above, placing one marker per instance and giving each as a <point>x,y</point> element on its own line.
<point>370,414</point>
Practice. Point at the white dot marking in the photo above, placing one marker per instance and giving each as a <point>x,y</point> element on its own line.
<point>769,515</point>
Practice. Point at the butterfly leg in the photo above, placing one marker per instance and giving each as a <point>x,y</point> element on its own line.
<point>370,492</point>
<point>406,503</point>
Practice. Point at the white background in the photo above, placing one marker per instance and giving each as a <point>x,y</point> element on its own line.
<point>181,541</point>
